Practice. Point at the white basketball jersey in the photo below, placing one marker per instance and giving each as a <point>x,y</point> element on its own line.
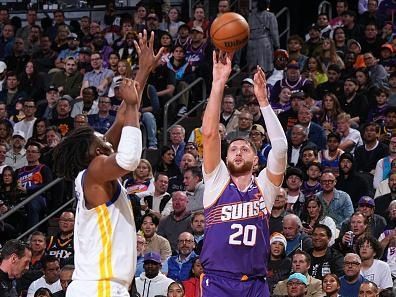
<point>104,240</point>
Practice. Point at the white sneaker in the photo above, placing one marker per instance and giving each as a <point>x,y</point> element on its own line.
<point>182,111</point>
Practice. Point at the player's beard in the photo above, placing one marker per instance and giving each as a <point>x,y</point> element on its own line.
<point>244,168</point>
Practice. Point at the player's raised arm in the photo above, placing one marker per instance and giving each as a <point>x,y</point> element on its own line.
<point>147,61</point>
<point>211,119</point>
<point>277,159</point>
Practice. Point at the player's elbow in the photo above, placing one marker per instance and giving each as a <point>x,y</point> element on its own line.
<point>128,162</point>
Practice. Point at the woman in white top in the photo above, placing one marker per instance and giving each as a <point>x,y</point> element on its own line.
<point>171,23</point>
<point>312,214</point>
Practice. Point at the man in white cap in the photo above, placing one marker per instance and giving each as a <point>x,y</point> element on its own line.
<point>3,70</point>
<point>247,93</point>
<point>16,156</point>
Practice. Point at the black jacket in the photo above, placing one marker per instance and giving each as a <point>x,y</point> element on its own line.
<point>6,288</point>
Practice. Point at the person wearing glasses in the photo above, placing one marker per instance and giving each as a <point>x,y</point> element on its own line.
<point>26,125</point>
<point>179,266</point>
<point>337,204</point>
<point>31,179</point>
<point>352,279</point>
<point>103,120</point>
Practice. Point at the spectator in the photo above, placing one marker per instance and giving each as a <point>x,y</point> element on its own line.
<point>68,81</point>
<point>99,77</point>
<point>45,56</point>
<point>377,271</point>
<point>281,57</point>
<point>324,257</point>
<point>177,222</point>
<point>229,114</point>
<point>331,285</point>
<point>389,125</point>
<point>16,156</point>
<point>383,187</point>
<point>351,28</point>
<point>313,214</point>
<point>283,104</point>
<point>368,154</point>
<point>288,118</point>
<point>383,166</point>
<point>337,204</point>
<point>316,133</point>
<point>198,230</point>
<point>352,279</point>
<point>264,38</point>
<point>331,89</point>
<point>71,51</point>
<point>103,120</point>
<point>7,40</point>
<point>183,37</point>
<point>328,55</point>
<point>62,119</point>
<point>26,125</point>
<point>3,152</point>
<point>177,136</point>
<point>312,185</point>
<point>89,103</point>
<point>377,112</point>
<point>152,282</point>
<point>32,41</point>
<point>193,284</point>
<point>172,23</point>
<point>15,261</point>
<point>349,178</point>
<point>141,250</point>
<point>194,186</point>
<point>358,227</point>
<point>199,20</point>
<point>176,289</point>
<point>350,137</point>
<point>154,242</point>
<point>294,47</point>
<point>258,137</point>
<point>296,239</point>
<point>366,87</point>
<point>61,245</point>
<point>313,41</point>
<point>279,266</point>
<point>376,222</point>
<point>298,141</point>
<point>378,74</point>
<point>167,163</point>
<point>245,122</point>
<point>32,82</point>
<point>12,92</point>
<point>65,278</point>
<point>50,279</point>
<point>32,178</point>
<point>31,18</point>
<point>152,25</point>
<point>159,201</point>
<point>295,198</point>
<point>278,212</point>
<point>371,40</point>
<point>150,108</point>
<point>254,108</point>
<point>179,266</point>
<point>315,71</point>
<point>301,262</point>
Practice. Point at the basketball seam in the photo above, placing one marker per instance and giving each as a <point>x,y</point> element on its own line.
<point>232,21</point>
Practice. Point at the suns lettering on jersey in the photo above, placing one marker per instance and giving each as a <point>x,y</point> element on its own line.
<point>244,210</point>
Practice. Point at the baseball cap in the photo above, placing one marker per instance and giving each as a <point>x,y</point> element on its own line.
<point>366,200</point>
<point>293,65</point>
<point>353,41</point>
<point>198,29</point>
<point>387,46</point>
<point>314,27</point>
<point>248,80</point>
<point>259,128</point>
<point>52,88</point>
<point>3,67</point>
<point>85,50</point>
<point>298,276</point>
<point>72,36</point>
<point>278,237</point>
<point>19,133</point>
<point>154,257</point>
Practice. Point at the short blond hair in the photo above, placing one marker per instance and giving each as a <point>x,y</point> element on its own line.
<point>343,116</point>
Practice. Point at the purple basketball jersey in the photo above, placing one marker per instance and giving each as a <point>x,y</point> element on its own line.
<point>237,233</point>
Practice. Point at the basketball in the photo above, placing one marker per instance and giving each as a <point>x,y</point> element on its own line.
<point>229,32</point>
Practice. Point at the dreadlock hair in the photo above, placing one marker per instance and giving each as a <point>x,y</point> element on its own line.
<point>71,155</point>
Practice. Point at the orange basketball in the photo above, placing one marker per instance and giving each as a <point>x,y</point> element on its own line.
<point>229,32</point>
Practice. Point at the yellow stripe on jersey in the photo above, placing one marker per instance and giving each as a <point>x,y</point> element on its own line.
<point>105,265</point>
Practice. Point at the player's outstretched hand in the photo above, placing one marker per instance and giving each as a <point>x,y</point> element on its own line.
<point>145,49</point>
<point>129,91</point>
<point>260,86</point>
<point>221,66</point>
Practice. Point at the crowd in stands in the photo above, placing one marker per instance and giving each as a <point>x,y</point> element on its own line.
<point>333,87</point>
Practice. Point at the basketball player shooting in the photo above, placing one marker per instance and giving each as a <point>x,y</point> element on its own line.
<point>237,205</point>
<point>105,232</point>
